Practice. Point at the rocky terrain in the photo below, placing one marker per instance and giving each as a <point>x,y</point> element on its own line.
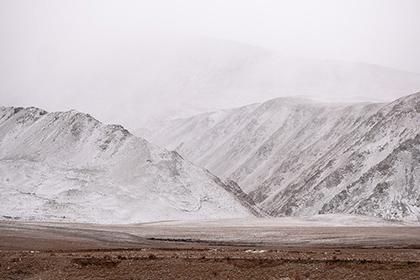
<point>300,157</point>
<point>283,248</point>
<point>69,166</point>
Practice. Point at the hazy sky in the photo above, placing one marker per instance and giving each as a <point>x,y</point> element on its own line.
<point>385,32</point>
<point>43,41</point>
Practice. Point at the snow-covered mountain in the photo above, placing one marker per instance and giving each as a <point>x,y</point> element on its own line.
<point>160,79</point>
<point>300,157</point>
<point>68,165</point>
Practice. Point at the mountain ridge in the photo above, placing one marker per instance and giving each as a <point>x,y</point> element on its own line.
<point>70,166</point>
<point>299,158</point>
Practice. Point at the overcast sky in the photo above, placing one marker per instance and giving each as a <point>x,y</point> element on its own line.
<point>35,34</point>
<point>385,32</point>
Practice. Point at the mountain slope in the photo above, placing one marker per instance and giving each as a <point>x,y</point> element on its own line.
<point>298,157</point>
<point>68,165</point>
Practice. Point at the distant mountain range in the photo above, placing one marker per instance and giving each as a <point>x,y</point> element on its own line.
<point>283,157</point>
<point>136,83</point>
<point>299,157</point>
<point>69,166</point>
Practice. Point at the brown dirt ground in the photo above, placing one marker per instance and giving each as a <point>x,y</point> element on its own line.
<point>55,254</point>
<point>211,263</point>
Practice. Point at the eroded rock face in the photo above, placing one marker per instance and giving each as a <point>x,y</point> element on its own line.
<point>378,175</point>
<point>296,157</point>
<point>392,184</point>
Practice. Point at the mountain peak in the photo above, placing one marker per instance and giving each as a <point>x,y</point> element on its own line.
<point>70,166</point>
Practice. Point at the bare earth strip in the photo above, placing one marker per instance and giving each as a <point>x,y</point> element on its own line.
<point>208,250</point>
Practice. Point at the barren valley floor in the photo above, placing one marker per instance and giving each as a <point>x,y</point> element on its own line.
<point>189,251</point>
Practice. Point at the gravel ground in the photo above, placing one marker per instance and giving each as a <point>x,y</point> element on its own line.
<point>76,251</point>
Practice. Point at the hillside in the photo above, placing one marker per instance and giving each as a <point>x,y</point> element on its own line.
<point>300,157</point>
<point>69,166</point>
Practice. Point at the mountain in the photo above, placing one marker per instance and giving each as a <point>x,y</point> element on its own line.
<point>160,78</point>
<point>69,166</point>
<point>299,157</point>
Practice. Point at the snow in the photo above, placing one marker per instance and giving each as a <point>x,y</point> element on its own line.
<point>326,220</point>
<point>299,157</point>
<point>69,166</point>
<point>294,157</point>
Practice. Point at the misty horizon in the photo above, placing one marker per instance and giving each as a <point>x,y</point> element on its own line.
<point>137,62</point>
